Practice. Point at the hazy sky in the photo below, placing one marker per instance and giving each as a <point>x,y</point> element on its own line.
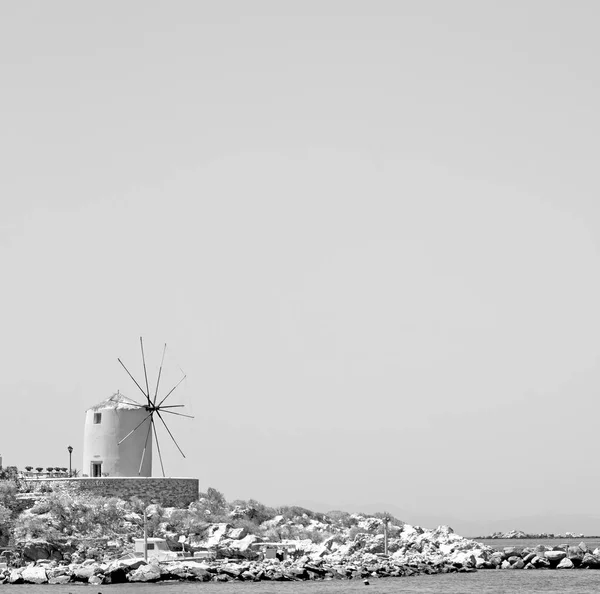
<point>368,232</point>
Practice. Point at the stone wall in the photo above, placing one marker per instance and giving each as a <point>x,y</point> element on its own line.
<point>169,492</point>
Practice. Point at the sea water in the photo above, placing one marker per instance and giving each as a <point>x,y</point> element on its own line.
<point>491,581</point>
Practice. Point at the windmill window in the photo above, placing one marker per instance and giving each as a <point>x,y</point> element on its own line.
<point>150,546</point>
<point>97,418</point>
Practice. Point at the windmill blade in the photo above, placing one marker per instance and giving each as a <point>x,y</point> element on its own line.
<point>157,446</point>
<point>145,373</point>
<point>135,428</point>
<point>171,391</point>
<point>169,432</point>
<point>171,406</point>
<point>145,445</point>
<point>134,381</point>
<point>159,372</point>
<point>175,413</point>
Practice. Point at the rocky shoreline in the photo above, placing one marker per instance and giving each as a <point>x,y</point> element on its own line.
<point>416,552</point>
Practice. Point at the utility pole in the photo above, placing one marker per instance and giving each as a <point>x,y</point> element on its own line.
<point>385,535</point>
<point>145,536</point>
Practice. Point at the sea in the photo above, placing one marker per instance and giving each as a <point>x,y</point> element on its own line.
<point>491,581</point>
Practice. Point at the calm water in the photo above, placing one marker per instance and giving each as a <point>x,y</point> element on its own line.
<point>483,582</point>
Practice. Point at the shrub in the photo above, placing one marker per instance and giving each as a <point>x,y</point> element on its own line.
<point>8,494</point>
<point>341,518</point>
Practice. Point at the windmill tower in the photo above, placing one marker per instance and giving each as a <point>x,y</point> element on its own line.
<point>119,432</point>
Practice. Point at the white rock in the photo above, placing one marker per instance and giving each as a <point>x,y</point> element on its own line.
<point>34,575</point>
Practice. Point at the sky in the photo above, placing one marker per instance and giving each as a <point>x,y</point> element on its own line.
<point>367,231</point>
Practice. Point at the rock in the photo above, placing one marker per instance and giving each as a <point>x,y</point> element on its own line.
<point>130,564</point>
<point>512,552</point>
<point>575,554</point>
<point>34,575</point>
<point>84,573</point>
<point>34,550</point>
<point>555,556</point>
<point>540,562</point>
<point>565,564</point>
<point>217,532</point>
<point>237,533</point>
<point>96,580</point>
<point>231,570</point>
<point>15,576</point>
<point>145,573</point>
<point>590,561</point>
<point>243,545</point>
<point>59,579</point>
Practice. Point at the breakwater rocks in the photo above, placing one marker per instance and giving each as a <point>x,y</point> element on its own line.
<point>190,570</point>
<point>412,551</point>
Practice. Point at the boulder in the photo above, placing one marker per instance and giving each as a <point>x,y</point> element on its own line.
<point>555,556</point>
<point>96,580</point>
<point>199,571</point>
<point>575,554</point>
<point>145,573</point>
<point>84,573</point>
<point>34,575</point>
<point>590,561</point>
<point>512,552</point>
<point>231,569</point>
<point>35,550</point>
<point>243,545</point>
<point>565,564</point>
<point>15,576</point>
<point>59,579</point>
<point>237,533</point>
<point>130,564</point>
<point>540,562</point>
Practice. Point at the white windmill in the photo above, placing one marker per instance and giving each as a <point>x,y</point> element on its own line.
<point>119,431</point>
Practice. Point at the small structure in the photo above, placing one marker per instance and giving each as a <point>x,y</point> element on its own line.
<point>157,549</point>
<point>108,423</point>
<point>274,550</point>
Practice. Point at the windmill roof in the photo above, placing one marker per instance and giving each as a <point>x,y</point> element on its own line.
<point>117,400</point>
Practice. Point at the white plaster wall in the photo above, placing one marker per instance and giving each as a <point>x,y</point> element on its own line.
<point>100,442</point>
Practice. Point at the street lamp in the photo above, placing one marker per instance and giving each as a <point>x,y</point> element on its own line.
<point>70,452</point>
<point>385,534</point>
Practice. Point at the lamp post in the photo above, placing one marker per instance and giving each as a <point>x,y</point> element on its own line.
<point>70,452</point>
<point>385,534</point>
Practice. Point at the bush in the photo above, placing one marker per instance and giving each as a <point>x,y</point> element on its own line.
<point>341,518</point>
<point>8,494</point>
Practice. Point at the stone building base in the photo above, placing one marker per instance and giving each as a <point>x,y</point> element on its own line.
<point>168,492</point>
